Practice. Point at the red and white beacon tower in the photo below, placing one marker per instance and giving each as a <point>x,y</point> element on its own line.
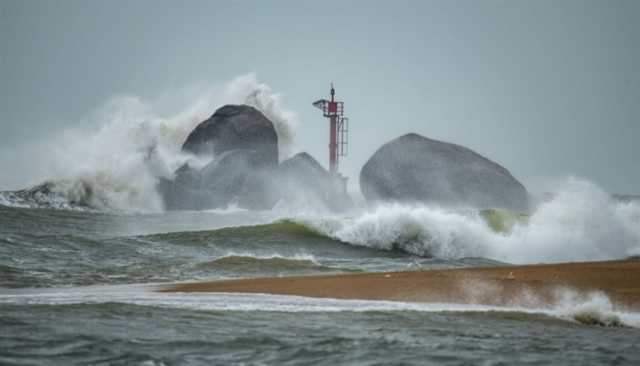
<point>338,134</point>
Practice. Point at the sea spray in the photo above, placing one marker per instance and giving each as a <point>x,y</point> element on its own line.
<point>420,230</point>
<point>593,309</point>
<point>246,89</point>
<point>125,147</point>
<point>581,222</point>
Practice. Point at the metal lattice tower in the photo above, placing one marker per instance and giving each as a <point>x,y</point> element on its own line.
<point>338,129</point>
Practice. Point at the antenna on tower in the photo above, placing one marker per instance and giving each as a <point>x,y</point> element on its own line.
<point>338,132</point>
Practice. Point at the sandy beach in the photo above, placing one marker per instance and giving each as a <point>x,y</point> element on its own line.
<point>526,285</point>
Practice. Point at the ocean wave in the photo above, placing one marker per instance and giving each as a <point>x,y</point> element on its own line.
<point>593,311</point>
<point>79,195</point>
<point>249,263</point>
<point>580,223</point>
<point>597,309</point>
<point>279,227</point>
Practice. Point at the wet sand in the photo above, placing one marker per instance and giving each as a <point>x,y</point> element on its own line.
<point>527,285</point>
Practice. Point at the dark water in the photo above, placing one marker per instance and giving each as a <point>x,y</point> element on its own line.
<point>76,288</point>
<point>113,333</point>
<point>47,248</point>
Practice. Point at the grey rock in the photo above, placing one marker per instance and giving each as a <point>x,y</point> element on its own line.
<point>245,169</point>
<point>413,168</point>
<point>235,127</point>
<point>244,146</point>
<point>301,177</point>
<point>239,177</point>
<point>184,191</point>
<point>235,177</point>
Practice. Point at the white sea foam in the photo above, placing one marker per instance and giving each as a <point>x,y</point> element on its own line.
<point>9,199</point>
<point>580,223</point>
<point>125,146</point>
<point>294,256</point>
<point>231,209</point>
<point>594,310</point>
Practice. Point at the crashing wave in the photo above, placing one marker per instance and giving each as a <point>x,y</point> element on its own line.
<point>56,195</point>
<point>596,309</point>
<point>580,223</point>
<point>94,193</point>
<point>118,165</point>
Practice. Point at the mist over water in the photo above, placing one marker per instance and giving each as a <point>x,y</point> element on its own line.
<point>128,146</point>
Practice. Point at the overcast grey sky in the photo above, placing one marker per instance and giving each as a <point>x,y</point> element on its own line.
<point>546,88</point>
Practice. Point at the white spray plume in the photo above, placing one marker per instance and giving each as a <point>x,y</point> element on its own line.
<point>247,90</point>
<point>126,145</point>
<point>580,223</point>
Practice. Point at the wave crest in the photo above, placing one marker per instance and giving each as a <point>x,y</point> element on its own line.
<point>580,223</point>
<point>290,228</point>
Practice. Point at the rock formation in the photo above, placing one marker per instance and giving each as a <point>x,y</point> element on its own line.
<point>413,168</point>
<point>302,178</point>
<point>235,127</point>
<point>244,170</point>
<point>244,146</point>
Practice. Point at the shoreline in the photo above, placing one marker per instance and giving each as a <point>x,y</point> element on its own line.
<point>535,285</point>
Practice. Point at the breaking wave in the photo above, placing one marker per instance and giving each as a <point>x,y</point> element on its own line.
<point>116,163</point>
<point>597,309</point>
<point>581,222</point>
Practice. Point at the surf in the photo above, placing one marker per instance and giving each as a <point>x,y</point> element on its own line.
<point>595,310</point>
<point>581,222</point>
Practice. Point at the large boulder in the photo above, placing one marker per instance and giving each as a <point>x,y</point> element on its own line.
<point>243,146</point>
<point>303,180</point>
<point>413,168</point>
<point>185,191</point>
<point>235,127</point>
<point>244,168</point>
<point>238,177</point>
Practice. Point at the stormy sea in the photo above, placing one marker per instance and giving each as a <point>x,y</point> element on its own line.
<point>81,256</point>
<point>76,286</point>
